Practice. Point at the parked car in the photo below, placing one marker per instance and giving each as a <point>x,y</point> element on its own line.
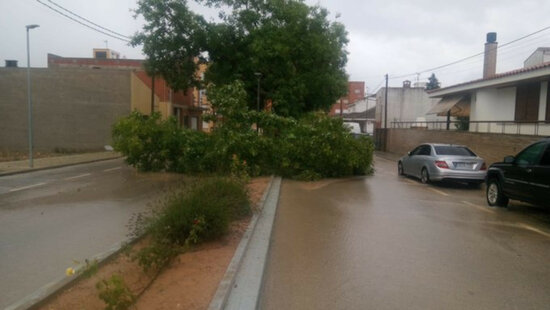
<point>439,162</point>
<point>525,177</point>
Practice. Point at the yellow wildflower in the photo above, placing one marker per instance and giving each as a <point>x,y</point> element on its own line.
<point>69,272</point>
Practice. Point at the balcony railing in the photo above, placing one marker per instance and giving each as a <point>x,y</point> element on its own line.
<point>535,128</point>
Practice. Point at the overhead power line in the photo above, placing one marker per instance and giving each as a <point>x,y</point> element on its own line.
<point>87,20</point>
<point>83,24</point>
<point>469,57</point>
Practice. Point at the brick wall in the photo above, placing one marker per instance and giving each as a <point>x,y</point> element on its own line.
<point>73,109</point>
<point>491,147</point>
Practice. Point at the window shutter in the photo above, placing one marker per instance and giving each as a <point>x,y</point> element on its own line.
<point>527,102</point>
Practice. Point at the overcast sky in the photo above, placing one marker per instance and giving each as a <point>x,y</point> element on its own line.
<point>397,37</point>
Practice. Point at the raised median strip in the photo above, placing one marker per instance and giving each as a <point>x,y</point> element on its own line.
<point>241,285</point>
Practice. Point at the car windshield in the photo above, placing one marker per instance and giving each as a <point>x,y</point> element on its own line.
<point>453,150</point>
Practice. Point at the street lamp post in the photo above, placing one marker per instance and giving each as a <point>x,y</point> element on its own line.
<point>29,92</point>
<point>259,76</point>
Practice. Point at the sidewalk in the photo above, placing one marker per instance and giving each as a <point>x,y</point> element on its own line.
<point>21,166</point>
<point>388,156</point>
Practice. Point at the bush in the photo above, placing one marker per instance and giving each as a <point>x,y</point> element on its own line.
<point>320,146</point>
<point>199,213</point>
<point>115,293</point>
<point>210,202</point>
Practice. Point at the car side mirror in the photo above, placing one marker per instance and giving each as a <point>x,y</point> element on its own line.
<point>509,159</point>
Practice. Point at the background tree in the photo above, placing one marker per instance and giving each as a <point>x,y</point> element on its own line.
<point>300,53</point>
<point>433,83</point>
<point>173,39</point>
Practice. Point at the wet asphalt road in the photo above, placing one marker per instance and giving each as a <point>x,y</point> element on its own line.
<point>387,242</point>
<point>50,218</point>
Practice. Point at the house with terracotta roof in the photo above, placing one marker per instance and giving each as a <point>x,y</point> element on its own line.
<point>513,102</point>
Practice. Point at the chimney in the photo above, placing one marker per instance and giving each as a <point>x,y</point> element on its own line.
<point>11,63</point>
<point>490,60</point>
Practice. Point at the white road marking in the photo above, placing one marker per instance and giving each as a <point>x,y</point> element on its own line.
<point>26,187</point>
<point>478,207</point>
<point>438,191</point>
<point>78,176</point>
<point>534,229</point>
<point>112,169</point>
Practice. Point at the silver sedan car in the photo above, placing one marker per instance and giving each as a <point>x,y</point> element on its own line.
<point>439,162</point>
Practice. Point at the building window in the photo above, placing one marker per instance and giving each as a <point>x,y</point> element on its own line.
<point>101,55</point>
<point>527,102</point>
<point>548,103</point>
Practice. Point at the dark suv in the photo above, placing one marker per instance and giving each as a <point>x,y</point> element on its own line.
<point>524,177</point>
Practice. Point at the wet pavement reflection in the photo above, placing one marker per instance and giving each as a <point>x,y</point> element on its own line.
<point>388,242</point>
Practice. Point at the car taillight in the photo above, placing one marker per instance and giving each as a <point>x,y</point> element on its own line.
<point>483,166</point>
<point>441,164</point>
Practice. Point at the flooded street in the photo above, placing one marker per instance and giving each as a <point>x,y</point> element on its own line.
<point>386,242</point>
<point>51,218</point>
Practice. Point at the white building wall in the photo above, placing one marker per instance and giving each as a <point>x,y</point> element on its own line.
<point>405,104</point>
<point>494,105</point>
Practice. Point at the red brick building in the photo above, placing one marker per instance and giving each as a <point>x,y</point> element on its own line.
<point>356,92</point>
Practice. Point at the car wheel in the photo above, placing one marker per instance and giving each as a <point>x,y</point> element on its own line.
<point>400,170</point>
<point>495,197</point>
<point>424,176</point>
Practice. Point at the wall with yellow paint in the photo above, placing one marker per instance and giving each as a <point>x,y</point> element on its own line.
<point>141,99</point>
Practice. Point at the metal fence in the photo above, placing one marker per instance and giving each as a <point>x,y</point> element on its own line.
<point>535,128</point>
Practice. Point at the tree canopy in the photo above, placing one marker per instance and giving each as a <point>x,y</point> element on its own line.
<point>433,83</point>
<point>300,53</point>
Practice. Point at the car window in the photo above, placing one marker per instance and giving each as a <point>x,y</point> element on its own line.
<point>545,159</point>
<point>425,150</point>
<point>416,151</point>
<point>530,155</point>
<point>453,150</point>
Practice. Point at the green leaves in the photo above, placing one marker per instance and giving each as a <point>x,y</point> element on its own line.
<point>300,53</point>
<point>173,39</point>
<point>313,146</point>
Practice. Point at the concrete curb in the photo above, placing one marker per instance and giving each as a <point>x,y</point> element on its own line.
<point>240,287</point>
<point>43,294</point>
<point>2,174</point>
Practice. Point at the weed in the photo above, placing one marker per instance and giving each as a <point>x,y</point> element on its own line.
<point>115,293</point>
